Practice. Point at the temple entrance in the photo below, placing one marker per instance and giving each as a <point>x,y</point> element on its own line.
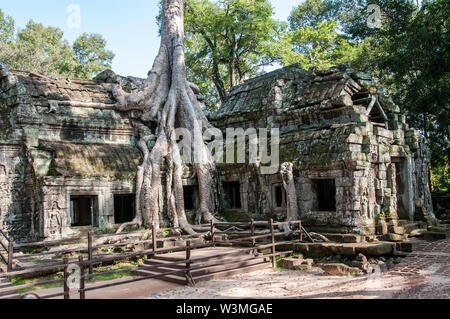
<point>325,195</point>
<point>401,187</point>
<point>279,197</point>
<point>84,211</point>
<point>124,208</point>
<point>191,198</point>
<point>232,192</point>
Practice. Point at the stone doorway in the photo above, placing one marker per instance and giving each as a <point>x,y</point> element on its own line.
<point>191,198</point>
<point>279,197</point>
<point>84,211</point>
<point>325,195</point>
<point>232,192</point>
<point>124,208</point>
<point>402,187</point>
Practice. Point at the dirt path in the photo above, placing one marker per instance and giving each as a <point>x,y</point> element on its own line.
<point>424,274</point>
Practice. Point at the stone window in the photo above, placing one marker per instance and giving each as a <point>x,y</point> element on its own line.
<point>325,195</point>
<point>124,208</point>
<point>232,192</point>
<point>84,211</point>
<point>191,198</point>
<point>279,197</point>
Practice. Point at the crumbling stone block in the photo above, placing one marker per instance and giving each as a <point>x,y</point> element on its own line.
<point>340,270</point>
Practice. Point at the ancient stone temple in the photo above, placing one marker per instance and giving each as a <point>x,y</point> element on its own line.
<point>356,160</point>
<point>68,160</point>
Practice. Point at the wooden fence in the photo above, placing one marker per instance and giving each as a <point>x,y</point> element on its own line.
<point>184,266</point>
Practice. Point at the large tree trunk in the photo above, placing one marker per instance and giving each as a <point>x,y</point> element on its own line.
<point>169,100</point>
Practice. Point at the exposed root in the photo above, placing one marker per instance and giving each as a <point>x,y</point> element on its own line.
<point>170,101</point>
<point>319,237</point>
<point>122,227</point>
<point>287,175</point>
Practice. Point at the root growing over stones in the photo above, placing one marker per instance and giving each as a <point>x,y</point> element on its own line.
<point>169,101</point>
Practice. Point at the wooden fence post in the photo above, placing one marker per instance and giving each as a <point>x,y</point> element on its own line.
<point>188,261</point>
<point>66,278</point>
<point>252,230</point>
<point>82,278</point>
<point>10,254</point>
<point>273,242</point>
<point>213,232</point>
<point>90,254</point>
<point>154,237</point>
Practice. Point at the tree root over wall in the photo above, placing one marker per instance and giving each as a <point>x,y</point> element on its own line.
<point>169,101</point>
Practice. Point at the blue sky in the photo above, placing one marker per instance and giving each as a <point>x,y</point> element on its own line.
<point>128,26</point>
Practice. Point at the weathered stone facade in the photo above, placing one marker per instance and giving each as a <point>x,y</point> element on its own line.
<point>371,164</point>
<point>60,138</point>
<point>64,149</point>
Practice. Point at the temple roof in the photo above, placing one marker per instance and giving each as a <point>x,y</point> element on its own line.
<point>42,89</point>
<point>294,88</point>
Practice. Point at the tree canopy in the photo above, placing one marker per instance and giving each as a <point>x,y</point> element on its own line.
<point>44,50</point>
<point>226,42</point>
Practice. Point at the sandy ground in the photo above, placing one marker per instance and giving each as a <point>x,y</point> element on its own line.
<point>314,284</point>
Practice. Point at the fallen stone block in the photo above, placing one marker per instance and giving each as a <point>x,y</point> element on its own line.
<point>405,247</point>
<point>290,263</point>
<point>306,264</point>
<point>340,270</point>
<point>393,237</point>
<point>376,249</point>
<point>418,233</point>
<point>397,230</point>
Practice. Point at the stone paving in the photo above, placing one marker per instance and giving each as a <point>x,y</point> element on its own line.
<point>423,274</point>
<point>426,257</point>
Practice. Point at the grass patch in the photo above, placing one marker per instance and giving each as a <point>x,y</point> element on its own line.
<point>18,281</point>
<point>116,267</point>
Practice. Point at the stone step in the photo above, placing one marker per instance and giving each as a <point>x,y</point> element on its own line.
<point>211,273</point>
<point>352,249</point>
<point>170,278</point>
<point>433,236</point>
<point>163,244</point>
<point>438,229</point>
<point>417,232</point>
<point>411,227</point>
<point>393,237</point>
<point>399,222</point>
<point>229,262</point>
<point>398,230</point>
<point>229,273</point>
<point>345,238</point>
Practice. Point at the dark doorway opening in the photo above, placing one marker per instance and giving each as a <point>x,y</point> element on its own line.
<point>190,197</point>
<point>401,187</point>
<point>232,192</point>
<point>84,211</point>
<point>279,197</point>
<point>325,190</point>
<point>124,211</point>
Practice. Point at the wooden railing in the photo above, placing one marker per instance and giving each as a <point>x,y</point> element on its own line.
<point>8,250</point>
<point>86,266</point>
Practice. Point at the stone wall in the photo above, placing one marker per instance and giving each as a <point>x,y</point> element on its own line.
<point>378,165</point>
